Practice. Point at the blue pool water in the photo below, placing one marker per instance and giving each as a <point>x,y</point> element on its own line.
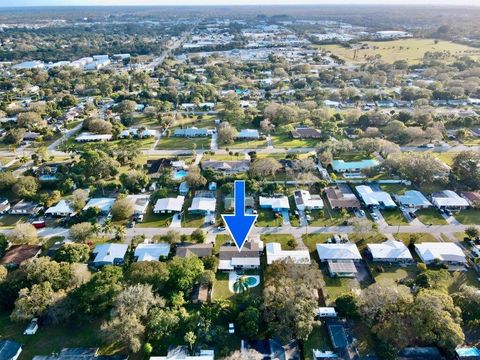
<point>180,174</point>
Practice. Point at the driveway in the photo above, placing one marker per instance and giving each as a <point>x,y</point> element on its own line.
<point>302,217</point>
<point>176,221</point>
<point>209,218</point>
<point>214,142</point>
<point>381,220</point>
<point>286,217</point>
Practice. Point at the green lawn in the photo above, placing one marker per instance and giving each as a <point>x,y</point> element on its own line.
<point>337,286</point>
<point>266,218</point>
<point>180,143</point>
<point>221,239</point>
<point>9,221</point>
<point>369,238</point>
<point>391,274</point>
<point>285,141</point>
<point>311,240</point>
<point>193,220</point>
<point>468,216</point>
<point>394,217</point>
<point>318,340</point>
<point>327,217</point>
<point>52,338</point>
<point>430,216</point>
<point>251,144</point>
<point>283,239</point>
<point>151,220</point>
<point>421,237</point>
<point>398,189</point>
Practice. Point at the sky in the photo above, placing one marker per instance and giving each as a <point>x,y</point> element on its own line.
<point>15,3</point>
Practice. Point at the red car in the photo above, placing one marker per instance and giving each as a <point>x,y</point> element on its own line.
<point>39,224</point>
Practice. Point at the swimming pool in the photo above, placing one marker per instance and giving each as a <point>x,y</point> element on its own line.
<point>179,174</point>
<point>252,281</point>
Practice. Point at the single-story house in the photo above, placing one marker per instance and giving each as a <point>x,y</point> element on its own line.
<point>80,353</point>
<point>342,166</point>
<point>327,354</point>
<point>472,197</point>
<point>248,134</point>
<point>90,137</point>
<point>199,250</point>
<point>140,203</point>
<point>275,253</point>
<point>151,252</point>
<point>419,353</point>
<point>104,204</point>
<point>467,353</point>
<point>346,251</point>
<point>4,205</point>
<point>279,203</point>
<point>306,133</point>
<point>449,199</point>
<point>227,167</point>
<point>413,199</point>
<point>10,350</point>
<point>156,167</point>
<point>390,251</point>
<point>326,312</point>
<point>17,254</point>
<point>62,209</point>
<point>373,198</point>
<point>208,106</point>
<point>183,188</point>
<point>446,252</point>
<point>337,336</point>
<point>193,132</point>
<point>188,106</point>
<point>182,353</point>
<point>109,254</point>
<point>342,197</point>
<point>229,202</point>
<point>169,205</point>
<point>134,132</point>
<point>306,201</point>
<point>342,268</point>
<point>203,205</point>
<point>25,208</point>
<point>270,349</point>
<point>248,258</point>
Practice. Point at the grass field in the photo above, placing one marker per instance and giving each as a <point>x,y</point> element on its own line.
<point>392,274</point>
<point>446,157</point>
<point>430,216</point>
<point>267,218</point>
<point>468,216</point>
<point>9,221</point>
<point>285,141</point>
<point>151,220</point>
<point>398,189</point>
<point>252,144</point>
<point>181,143</point>
<point>421,237</point>
<point>283,239</point>
<point>394,217</point>
<point>411,50</point>
<point>318,340</point>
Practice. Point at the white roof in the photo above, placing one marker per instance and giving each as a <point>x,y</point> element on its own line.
<point>338,252</point>
<point>86,136</point>
<point>240,261</point>
<point>152,252</point>
<point>203,204</point>
<point>308,200</point>
<point>63,207</point>
<point>275,253</point>
<point>274,202</point>
<point>413,198</point>
<point>107,253</point>
<point>140,203</point>
<point>104,204</point>
<point>448,198</point>
<point>375,198</point>
<point>326,310</point>
<point>248,133</point>
<point>444,251</point>
<point>169,204</point>
<point>134,132</point>
<point>390,249</point>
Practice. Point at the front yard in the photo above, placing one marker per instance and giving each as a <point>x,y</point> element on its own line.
<point>430,216</point>
<point>283,239</point>
<point>468,216</point>
<point>394,217</point>
<point>182,143</point>
<point>286,141</point>
<point>266,218</point>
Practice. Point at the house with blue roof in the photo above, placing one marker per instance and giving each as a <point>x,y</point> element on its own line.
<point>9,350</point>
<point>109,254</point>
<point>413,199</point>
<point>342,166</point>
<point>467,353</point>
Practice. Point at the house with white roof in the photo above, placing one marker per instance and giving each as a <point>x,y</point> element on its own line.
<point>140,203</point>
<point>181,353</point>
<point>353,166</point>
<point>279,203</point>
<point>275,253</point>
<point>248,134</point>
<point>91,137</point>
<point>413,199</point>
<point>169,205</point>
<point>62,209</point>
<point>104,204</point>
<point>390,251</point>
<point>151,252</point>
<point>306,201</point>
<point>193,132</point>
<point>134,133</point>
<point>375,198</point>
<point>346,251</point>
<point>445,252</point>
<point>109,254</point>
<point>449,199</point>
<point>203,205</point>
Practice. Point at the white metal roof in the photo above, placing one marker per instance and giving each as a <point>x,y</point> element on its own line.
<point>107,253</point>
<point>151,252</point>
<point>169,204</point>
<point>346,251</point>
<point>275,253</point>
<point>104,204</point>
<point>374,198</point>
<point>390,249</point>
<point>63,207</point>
<point>274,202</point>
<point>448,198</point>
<point>444,251</point>
<point>203,204</point>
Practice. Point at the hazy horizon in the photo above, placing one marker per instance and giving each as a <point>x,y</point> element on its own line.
<point>41,3</point>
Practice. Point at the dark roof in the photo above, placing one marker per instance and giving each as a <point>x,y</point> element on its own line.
<point>424,353</point>
<point>306,133</point>
<point>80,354</point>
<point>336,197</point>
<point>8,349</point>
<point>200,250</point>
<point>272,349</point>
<point>19,253</point>
<point>338,336</point>
<point>154,166</point>
<point>250,249</point>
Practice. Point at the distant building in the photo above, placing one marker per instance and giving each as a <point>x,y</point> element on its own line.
<point>467,353</point>
<point>17,254</point>
<point>413,199</point>
<point>62,209</point>
<point>203,205</point>
<point>90,137</point>
<point>157,166</point>
<point>275,203</point>
<point>248,134</point>
<point>390,251</point>
<point>25,208</point>
<point>227,167</point>
<point>275,253</point>
<point>80,354</point>
<point>353,166</point>
<point>193,132</point>
<point>199,250</point>
<point>169,205</point>
<point>103,204</point>
<point>232,259</point>
<point>306,133</point>
<point>140,203</point>
<point>182,353</point>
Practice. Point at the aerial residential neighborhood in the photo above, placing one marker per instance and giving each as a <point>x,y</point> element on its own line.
<point>351,130</point>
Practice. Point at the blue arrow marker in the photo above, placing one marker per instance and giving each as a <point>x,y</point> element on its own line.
<point>239,224</point>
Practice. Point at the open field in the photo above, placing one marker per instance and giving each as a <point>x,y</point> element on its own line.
<point>468,216</point>
<point>182,143</point>
<point>285,141</point>
<point>394,217</point>
<point>283,239</point>
<point>252,144</point>
<point>430,216</point>
<point>411,50</point>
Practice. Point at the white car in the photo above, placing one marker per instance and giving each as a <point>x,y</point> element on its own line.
<point>231,328</point>
<point>374,216</point>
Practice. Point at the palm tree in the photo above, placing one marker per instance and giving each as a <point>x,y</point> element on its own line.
<point>120,232</point>
<point>96,228</point>
<point>107,227</point>
<point>241,284</point>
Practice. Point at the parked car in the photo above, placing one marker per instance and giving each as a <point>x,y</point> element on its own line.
<point>131,224</point>
<point>139,218</point>
<point>39,224</point>
<point>412,215</point>
<point>231,328</point>
<point>374,216</point>
<point>221,228</point>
